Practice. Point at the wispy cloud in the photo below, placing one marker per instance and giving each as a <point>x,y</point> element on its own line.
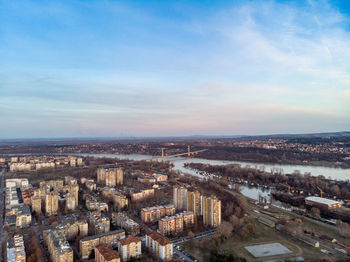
<point>99,68</point>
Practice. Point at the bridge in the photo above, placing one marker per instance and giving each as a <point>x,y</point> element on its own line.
<point>189,153</point>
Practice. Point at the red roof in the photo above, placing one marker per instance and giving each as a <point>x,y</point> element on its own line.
<point>107,252</point>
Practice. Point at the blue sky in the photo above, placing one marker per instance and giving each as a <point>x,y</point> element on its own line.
<point>160,68</point>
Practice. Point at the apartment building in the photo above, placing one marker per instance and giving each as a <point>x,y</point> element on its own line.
<point>119,200</point>
<point>159,245</point>
<point>18,216</point>
<point>91,185</point>
<point>152,214</point>
<point>211,211</point>
<point>129,247</point>
<point>87,244</point>
<point>12,196</point>
<point>36,204</point>
<point>175,224</point>
<point>99,222</point>
<point>14,167</point>
<point>58,246</point>
<point>70,202</point>
<point>41,192</point>
<point>74,190</point>
<point>160,177</point>
<point>92,204</point>
<point>51,203</point>
<point>122,220</point>
<point>110,176</point>
<point>194,202</point>
<point>27,195</point>
<point>105,253</point>
<point>56,185</point>
<point>17,182</point>
<point>146,179</point>
<point>180,197</point>
<point>73,227</point>
<point>69,180</point>
<point>15,249</point>
<point>42,165</point>
<point>142,194</point>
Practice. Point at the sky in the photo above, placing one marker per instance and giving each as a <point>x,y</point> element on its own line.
<point>173,68</point>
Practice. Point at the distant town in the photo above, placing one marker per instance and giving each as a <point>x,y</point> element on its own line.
<point>81,202</point>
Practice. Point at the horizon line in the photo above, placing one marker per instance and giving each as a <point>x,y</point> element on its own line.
<point>169,136</point>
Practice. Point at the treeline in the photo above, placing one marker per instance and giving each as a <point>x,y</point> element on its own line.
<point>298,182</point>
<point>321,140</point>
<point>282,156</point>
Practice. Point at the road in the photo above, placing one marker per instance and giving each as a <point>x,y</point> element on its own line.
<point>182,256</point>
<point>180,253</point>
<point>2,210</point>
<point>40,237</point>
<point>199,235</point>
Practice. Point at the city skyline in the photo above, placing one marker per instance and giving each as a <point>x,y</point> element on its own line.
<point>123,69</point>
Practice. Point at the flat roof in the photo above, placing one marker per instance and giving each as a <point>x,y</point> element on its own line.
<point>321,200</point>
<point>103,234</point>
<point>267,250</point>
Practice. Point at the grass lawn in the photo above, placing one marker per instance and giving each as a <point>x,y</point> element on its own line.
<point>200,248</point>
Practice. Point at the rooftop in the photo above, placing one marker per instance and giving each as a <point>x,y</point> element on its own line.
<point>322,200</point>
<point>107,252</point>
<point>103,234</point>
<point>129,239</point>
<point>162,240</point>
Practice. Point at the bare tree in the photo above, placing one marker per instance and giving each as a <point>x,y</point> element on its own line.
<point>225,229</point>
<point>235,222</point>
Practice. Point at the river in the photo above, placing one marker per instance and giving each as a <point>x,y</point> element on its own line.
<point>328,172</point>
<point>251,192</point>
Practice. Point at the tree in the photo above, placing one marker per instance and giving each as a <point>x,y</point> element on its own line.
<point>243,204</point>
<point>247,230</point>
<point>335,190</point>
<point>235,222</point>
<point>225,229</point>
<point>229,209</point>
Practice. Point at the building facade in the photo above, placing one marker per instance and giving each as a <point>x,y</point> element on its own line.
<point>129,247</point>
<point>194,202</point>
<point>15,249</point>
<point>159,245</point>
<point>36,204</point>
<point>51,203</point>
<point>322,203</point>
<point>152,214</point>
<point>99,222</point>
<point>180,197</point>
<point>70,202</point>
<point>142,194</point>
<point>175,224</point>
<point>122,220</point>
<point>105,253</point>
<point>58,246</point>
<point>87,244</point>
<point>211,211</point>
<point>110,176</point>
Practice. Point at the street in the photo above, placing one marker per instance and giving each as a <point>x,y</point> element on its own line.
<point>178,252</point>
